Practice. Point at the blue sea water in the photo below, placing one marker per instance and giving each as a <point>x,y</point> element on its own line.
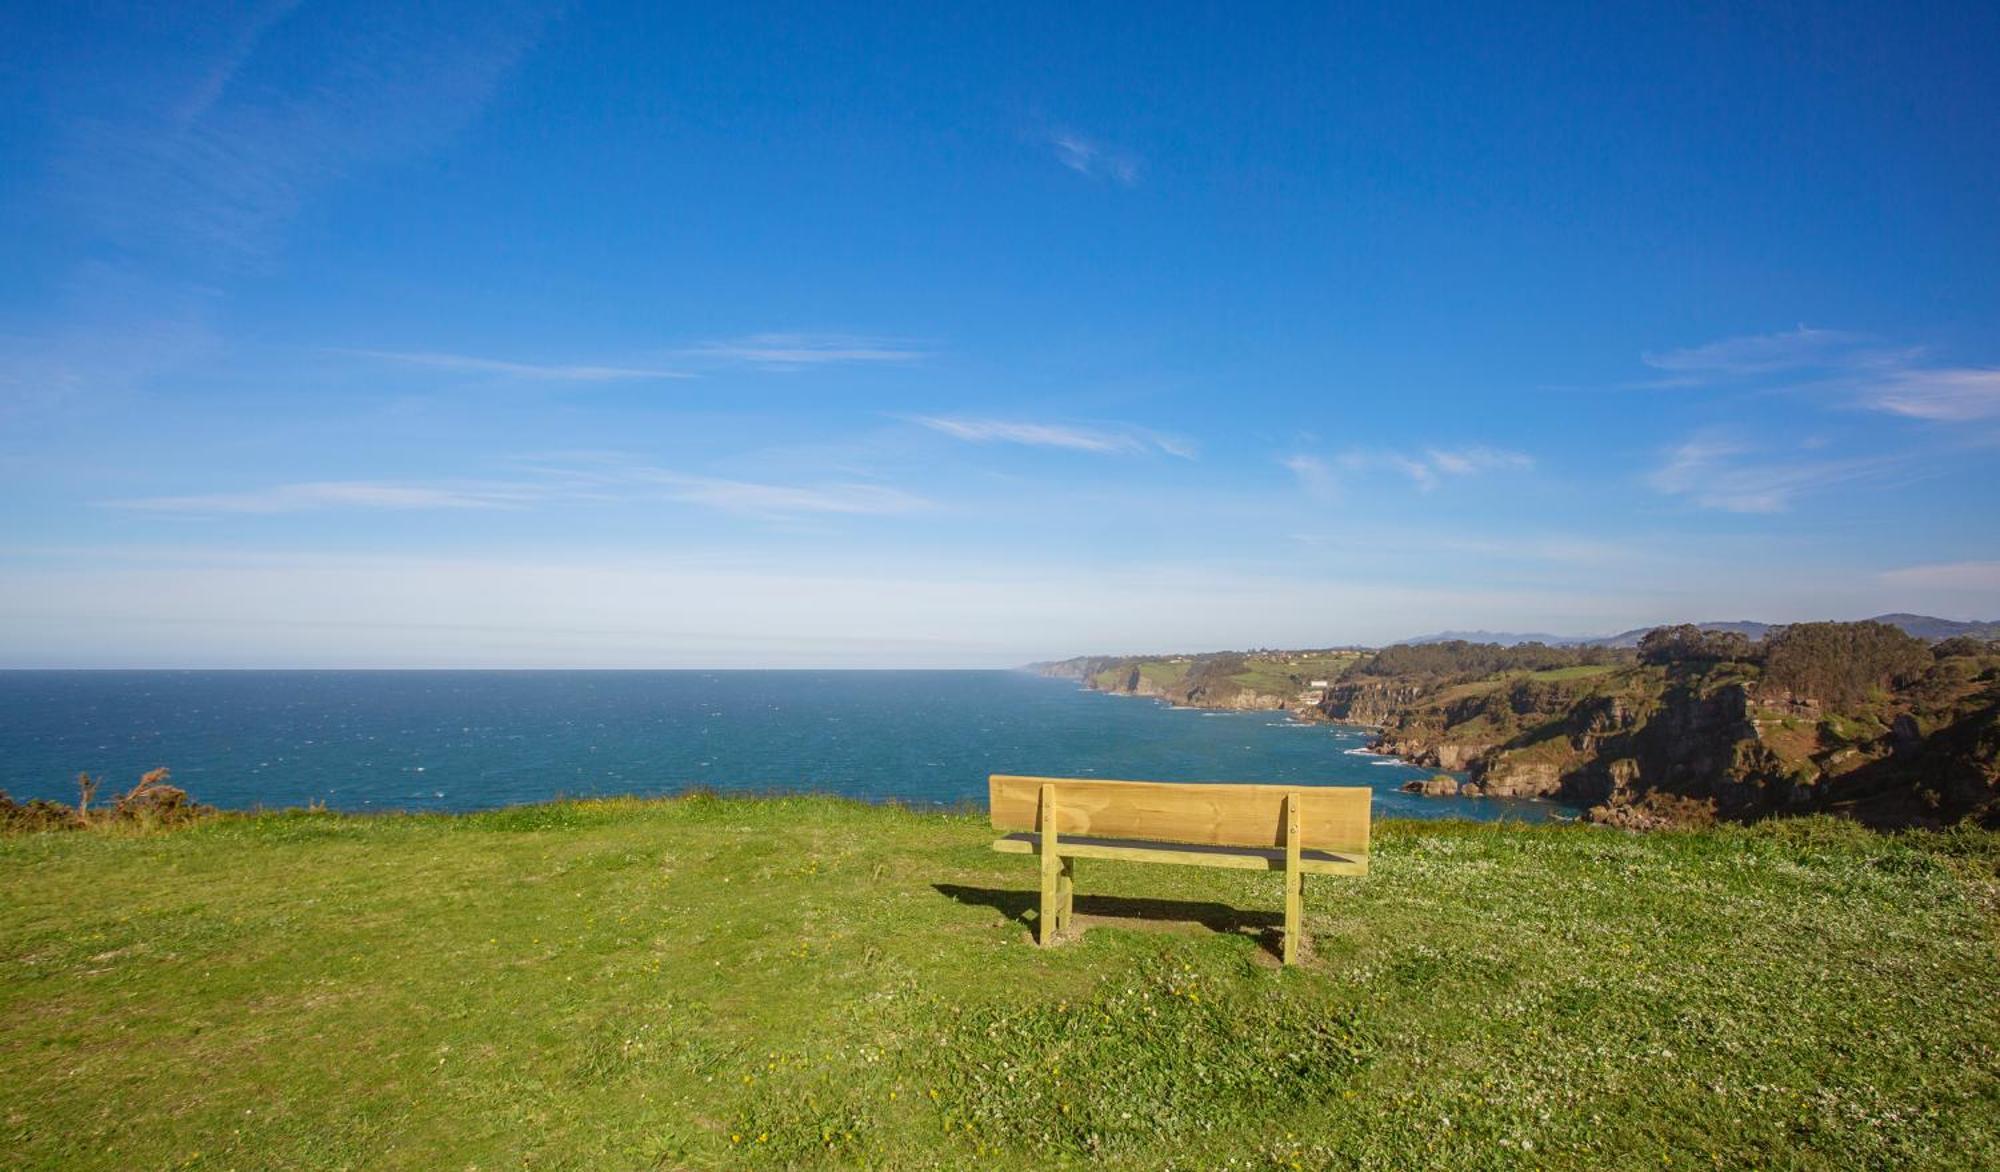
<point>462,740</point>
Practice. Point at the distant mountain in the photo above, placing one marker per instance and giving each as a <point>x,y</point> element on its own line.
<point>1926,627</point>
<point>1504,638</point>
<point>1744,627</point>
<point>1918,625</point>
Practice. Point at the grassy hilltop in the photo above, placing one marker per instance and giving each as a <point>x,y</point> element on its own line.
<point>715,983</point>
<point>1228,679</point>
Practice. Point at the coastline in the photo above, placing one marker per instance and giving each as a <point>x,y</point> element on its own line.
<point>1445,782</point>
<point>470,741</point>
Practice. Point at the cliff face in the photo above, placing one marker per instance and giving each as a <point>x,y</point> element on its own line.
<point>1459,725</point>
<point>1369,701</point>
<point>1646,746</point>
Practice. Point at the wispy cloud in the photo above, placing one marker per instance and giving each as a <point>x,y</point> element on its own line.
<point>1720,473</point>
<point>1967,577</point>
<point>1471,461</point>
<point>1314,475</point>
<point>1949,395</point>
<point>1841,368</point>
<point>1426,468</point>
<point>336,494</point>
<point>1120,440</point>
<point>120,329</point>
<point>780,500</point>
<point>1804,348</point>
<point>187,158</point>
<point>190,140</point>
<point>1087,156</point>
<point>574,481</point>
<point>797,351</point>
<point>536,371</point>
<point>614,475</point>
<point>770,352</point>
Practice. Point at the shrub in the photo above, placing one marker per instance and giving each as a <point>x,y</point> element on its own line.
<point>152,802</point>
<point>35,814</point>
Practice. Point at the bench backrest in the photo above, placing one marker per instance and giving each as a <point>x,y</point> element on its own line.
<point>1333,818</point>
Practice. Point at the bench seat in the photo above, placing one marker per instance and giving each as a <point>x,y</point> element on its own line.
<point>1247,858</point>
<point>1294,830</point>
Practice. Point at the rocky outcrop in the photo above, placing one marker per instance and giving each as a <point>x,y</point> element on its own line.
<point>1236,699</point>
<point>1374,702</point>
<point>1431,752</point>
<point>1520,779</point>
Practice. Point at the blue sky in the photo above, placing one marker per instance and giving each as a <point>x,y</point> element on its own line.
<point>615,334</point>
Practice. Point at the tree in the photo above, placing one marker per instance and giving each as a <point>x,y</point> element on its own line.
<point>1840,663</point>
<point>1687,643</point>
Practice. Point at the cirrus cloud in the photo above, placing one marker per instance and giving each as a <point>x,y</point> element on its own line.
<point>1088,156</point>
<point>1426,468</point>
<point>789,351</point>
<point>1951,395</point>
<point>1717,472</point>
<point>1103,440</point>
<point>335,494</point>
<point>536,371</point>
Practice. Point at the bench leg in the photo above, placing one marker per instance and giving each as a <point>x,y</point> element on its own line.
<point>1046,926</point>
<point>1052,867</point>
<point>1295,881</point>
<point>1066,894</point>
<point>1295,890</point>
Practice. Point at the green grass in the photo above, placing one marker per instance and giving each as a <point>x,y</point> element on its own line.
<point>1582,671</point>
<point>793,981</point>
<point>1275,676</point>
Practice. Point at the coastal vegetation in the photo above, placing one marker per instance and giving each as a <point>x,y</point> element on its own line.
<point>153,802</point>
<point>1227,679</point>
<point>709,982</point>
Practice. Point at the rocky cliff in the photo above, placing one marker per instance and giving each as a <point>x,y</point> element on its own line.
<point>1693,726</point>
<point>1688,743</point>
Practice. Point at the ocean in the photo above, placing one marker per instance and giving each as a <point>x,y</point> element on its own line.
<point>465,740</point>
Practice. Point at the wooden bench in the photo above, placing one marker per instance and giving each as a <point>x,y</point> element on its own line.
<point>1299,830</point>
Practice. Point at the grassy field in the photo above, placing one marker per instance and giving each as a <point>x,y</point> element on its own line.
<point>782,982</point>
<point>1286,675</point>
<point>1579,672</point>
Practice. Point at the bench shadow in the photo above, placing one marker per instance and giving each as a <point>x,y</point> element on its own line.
<point>1263,926</point>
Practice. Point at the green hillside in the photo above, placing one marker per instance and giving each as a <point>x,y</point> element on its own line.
<point>725,983</point>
